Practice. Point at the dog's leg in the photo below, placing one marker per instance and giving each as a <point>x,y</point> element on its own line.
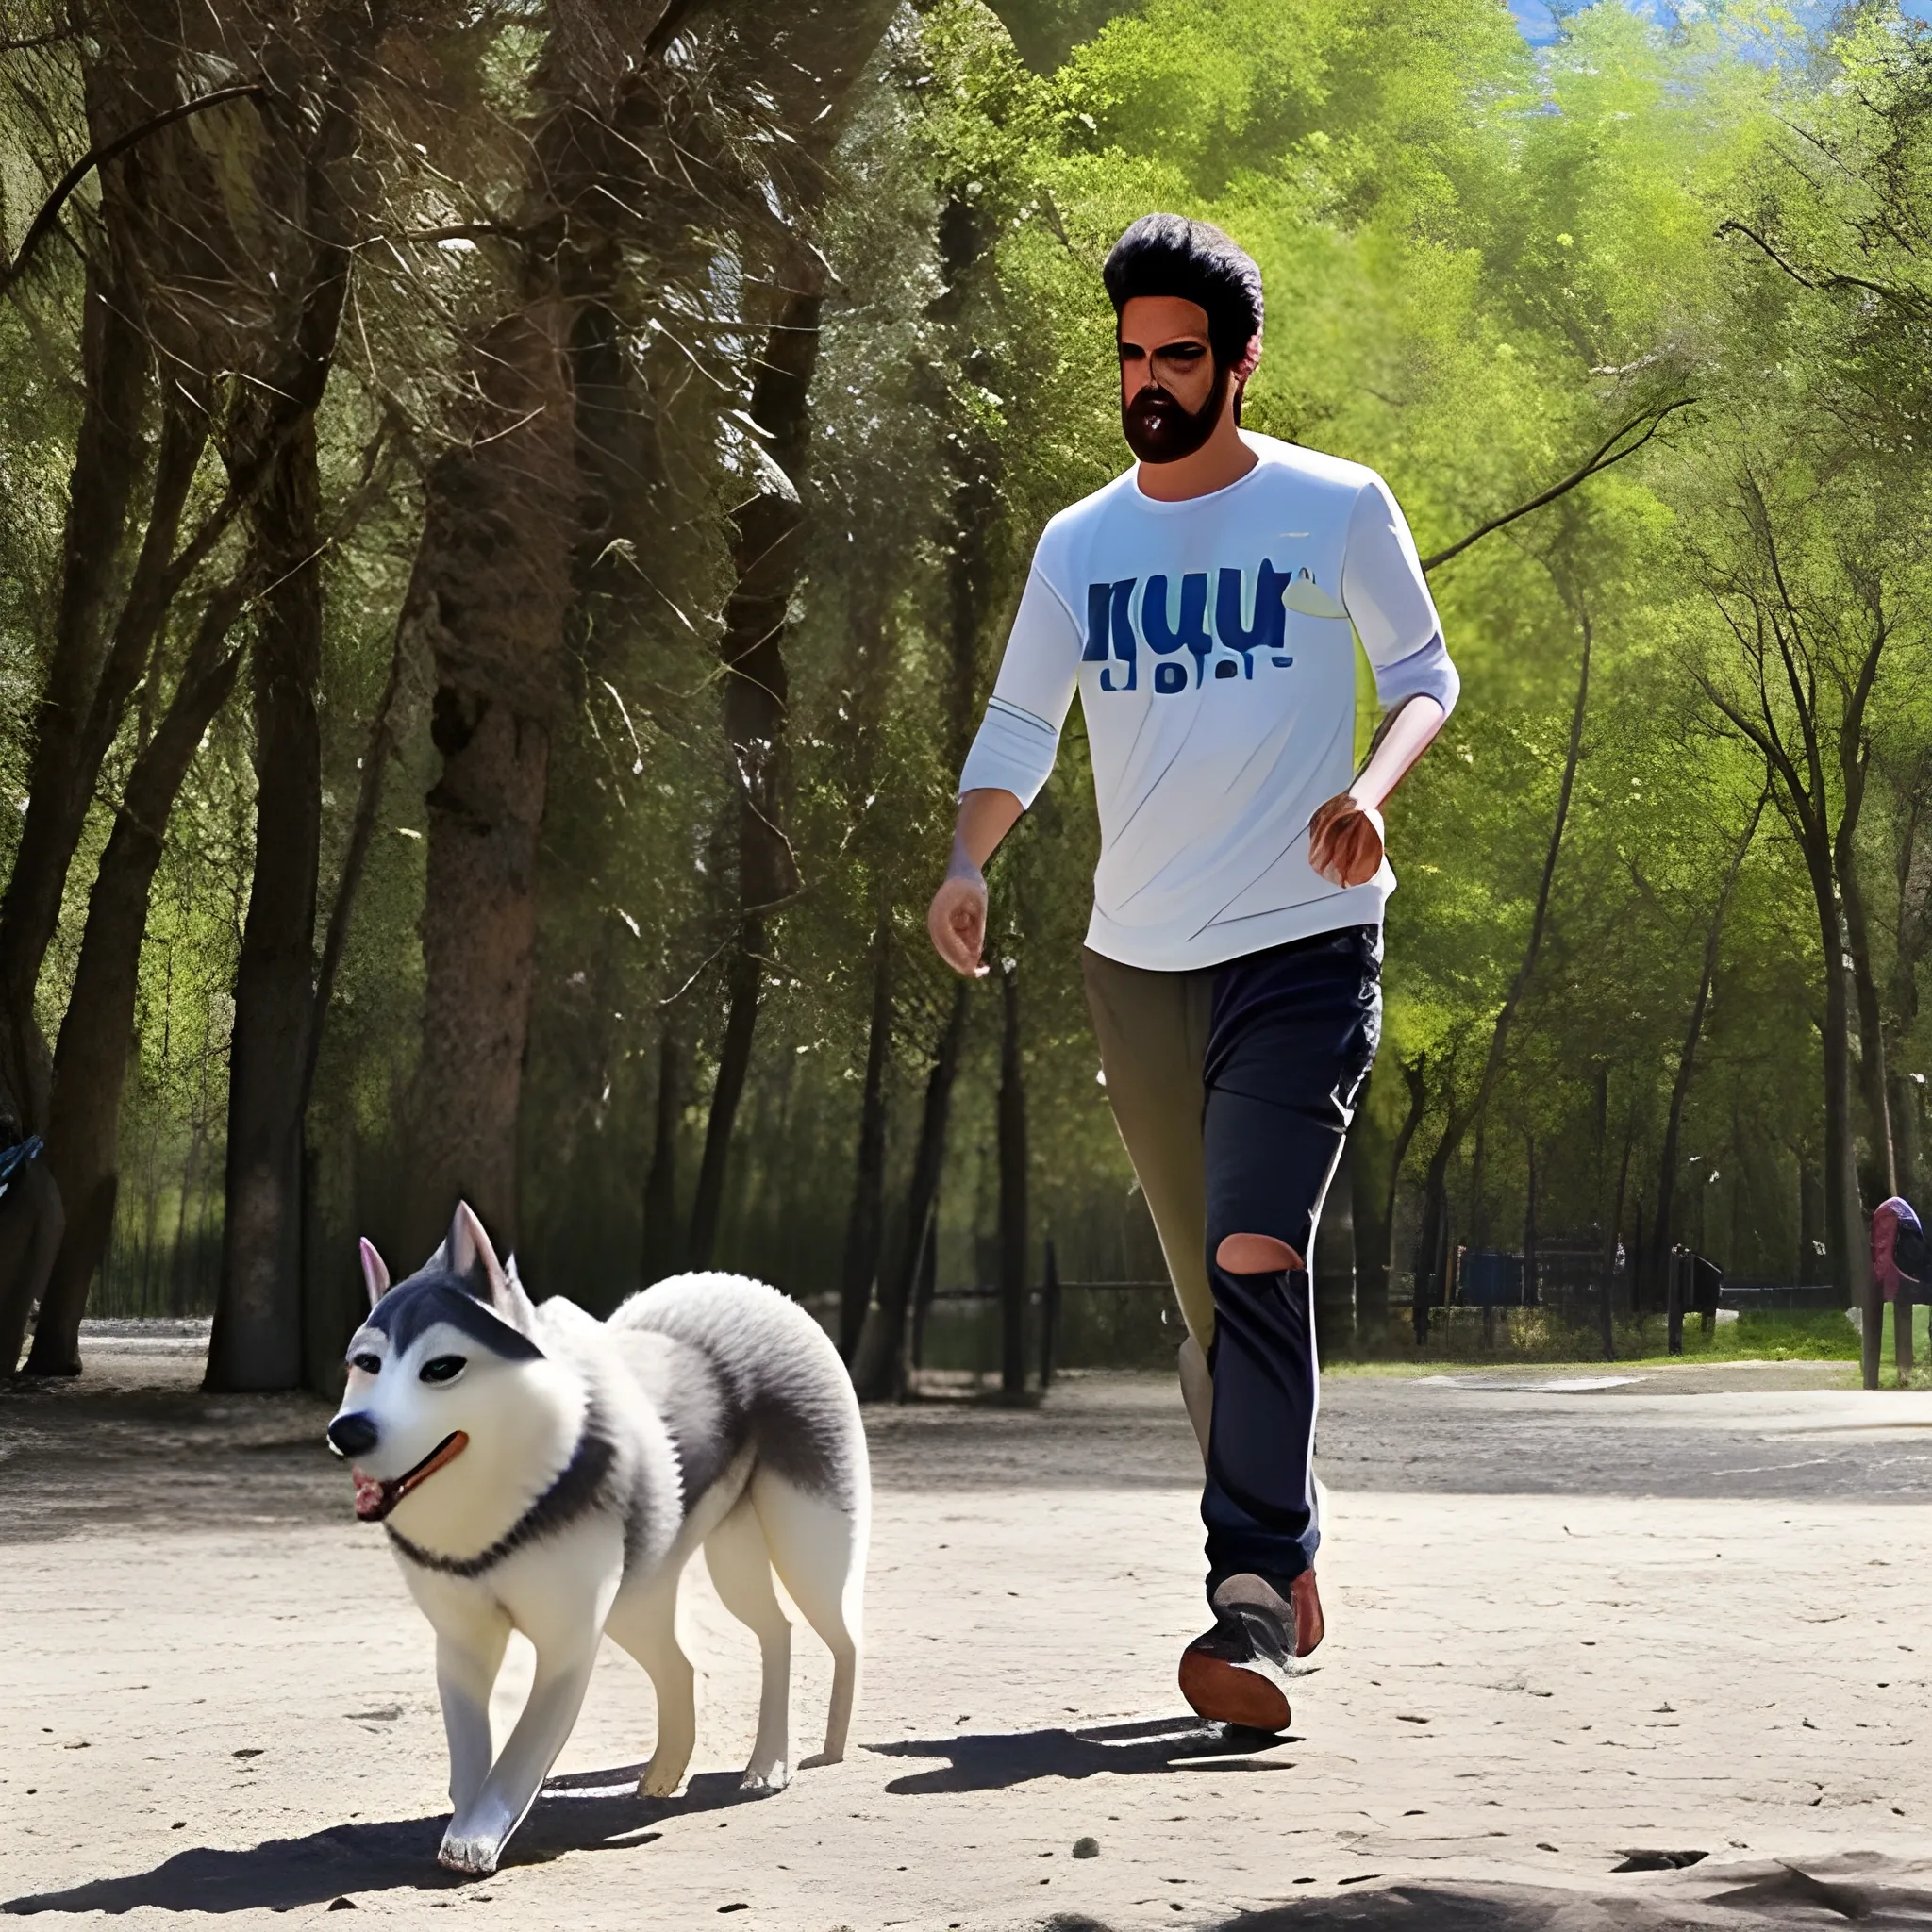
<point>646,1625</point>
<point>818,1548</point>
<point>468,1656</point>
<point>735,1552</point>
<point>480,1831</point>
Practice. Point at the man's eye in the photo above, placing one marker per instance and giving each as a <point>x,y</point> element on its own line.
<point>445,1367</point>
<point>368,1364</point>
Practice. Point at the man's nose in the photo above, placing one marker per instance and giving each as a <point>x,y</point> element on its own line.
<point>352,1435</point>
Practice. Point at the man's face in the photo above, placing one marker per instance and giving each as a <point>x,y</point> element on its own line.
<point>1172,391</point>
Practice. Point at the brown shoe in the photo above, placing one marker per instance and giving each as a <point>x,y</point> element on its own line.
<point>1308,1627</point>
<point>1238,1673</point>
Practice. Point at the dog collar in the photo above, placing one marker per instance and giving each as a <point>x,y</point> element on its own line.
<point>575,1490</point>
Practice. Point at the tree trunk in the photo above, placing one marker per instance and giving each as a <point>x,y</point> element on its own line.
<point>925,1289</point>
<point>109,463</point>
<point>1911,930</point>
<point>1608,1304</point>
<point>1687,1054</point>
<point>1573,754</point>
<point>490,590</point>
<point>1808,1222</point>
<point>663,1235</point>
<point>865,1224</point>
<point>1529,1281</point>
<point>1457,1125</point>
<point>1873,1084</point>
<point>1332,1264</point>
<point>1015,1230</point>
<point>1854,768</point>
<point>769,556</point>
<point>256,1340</point>
<point>1840,1171</point>
<point>91,1062</point>
<point>734,1063</point>
<point>87,693</point>
<point>879,1368</point>
<point>1435,1228</point>
<point>1375,1183</point>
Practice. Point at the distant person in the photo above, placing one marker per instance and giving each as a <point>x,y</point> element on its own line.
<point>1898,1266</point>
<point>31,1225</point>
<point>1206,605</point>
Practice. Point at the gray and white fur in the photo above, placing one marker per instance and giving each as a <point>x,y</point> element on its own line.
<point>539,1469</point>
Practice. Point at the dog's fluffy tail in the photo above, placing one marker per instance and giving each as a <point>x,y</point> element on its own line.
<point>782,1372</point>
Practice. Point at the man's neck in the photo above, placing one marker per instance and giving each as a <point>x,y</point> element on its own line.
<point>1223,459</point>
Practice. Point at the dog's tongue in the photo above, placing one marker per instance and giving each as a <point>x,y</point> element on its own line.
<point>371,1495</point>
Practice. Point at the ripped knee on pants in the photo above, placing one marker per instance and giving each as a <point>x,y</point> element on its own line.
<point>1256,1254</point>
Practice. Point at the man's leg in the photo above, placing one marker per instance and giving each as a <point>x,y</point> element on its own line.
<point>1293,1033</point>
<point>1151,1029</point>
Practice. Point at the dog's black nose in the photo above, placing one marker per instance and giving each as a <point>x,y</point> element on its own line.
<point>350,1435</point>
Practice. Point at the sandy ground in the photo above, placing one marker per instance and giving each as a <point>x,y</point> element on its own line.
<point>1683,1614</point>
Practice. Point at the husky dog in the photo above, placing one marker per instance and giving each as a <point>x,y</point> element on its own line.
<point>539,1469</point>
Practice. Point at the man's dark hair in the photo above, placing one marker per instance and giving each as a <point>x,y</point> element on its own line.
<point>1170,255</point>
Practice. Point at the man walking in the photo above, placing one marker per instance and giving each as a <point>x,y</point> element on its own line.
<point>1206,604</point>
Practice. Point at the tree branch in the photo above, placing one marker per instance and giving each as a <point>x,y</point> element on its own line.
<point>1830,279</point>
<point>45,222</point>
<point>1602,460</point>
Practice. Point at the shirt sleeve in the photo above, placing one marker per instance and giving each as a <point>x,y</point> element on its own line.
<point>1021,733</point>
<point>1388,603</point>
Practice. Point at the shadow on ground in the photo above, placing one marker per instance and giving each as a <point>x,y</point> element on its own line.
<point>1875,1893</point>
<point>588,1811</point>
<point>996,1761</point>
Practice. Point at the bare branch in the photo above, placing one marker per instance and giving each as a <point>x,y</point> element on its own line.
<point>1602,460</point>
<point>1829,278</point>
<point>45,222</point>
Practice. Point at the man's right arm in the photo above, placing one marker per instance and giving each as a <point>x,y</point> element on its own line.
<point>1009,762</point>
<point>957,918</point>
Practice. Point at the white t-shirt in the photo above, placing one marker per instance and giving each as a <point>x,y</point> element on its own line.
<point>1211,644</point>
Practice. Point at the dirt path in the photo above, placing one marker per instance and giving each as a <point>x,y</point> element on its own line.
<point>1566,1626</point>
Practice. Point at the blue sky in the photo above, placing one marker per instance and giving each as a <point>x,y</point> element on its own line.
<point>1540,29</point>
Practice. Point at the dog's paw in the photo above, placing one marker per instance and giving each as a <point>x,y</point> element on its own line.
<point>474,1857</point>
<point>819,1759</point>
<point>660,1781</point>
<point>765,1777</point>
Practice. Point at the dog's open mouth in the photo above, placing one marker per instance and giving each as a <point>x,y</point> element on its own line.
<point>375,1498</point>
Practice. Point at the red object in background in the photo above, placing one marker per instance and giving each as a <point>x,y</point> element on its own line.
<point>1890,1220</point>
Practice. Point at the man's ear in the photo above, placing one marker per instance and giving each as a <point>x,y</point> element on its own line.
<point>375,1271</point>
<point>472,1258</point>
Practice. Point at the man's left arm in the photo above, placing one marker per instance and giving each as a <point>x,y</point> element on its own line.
<point>1388,603</point>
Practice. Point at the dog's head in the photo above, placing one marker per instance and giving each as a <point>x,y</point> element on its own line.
<point>428,1369</point>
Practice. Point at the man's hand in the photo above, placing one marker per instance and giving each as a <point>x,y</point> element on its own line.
<point>1345,841</point>
<point>956,919</point>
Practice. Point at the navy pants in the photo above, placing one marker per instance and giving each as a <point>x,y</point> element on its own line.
<point>1292,1035</point>
<point>1233,1087</point>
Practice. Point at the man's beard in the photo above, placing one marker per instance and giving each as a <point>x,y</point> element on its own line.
<point>1159,430</point>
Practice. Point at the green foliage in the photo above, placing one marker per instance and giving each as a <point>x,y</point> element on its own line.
<point>1482,262</point>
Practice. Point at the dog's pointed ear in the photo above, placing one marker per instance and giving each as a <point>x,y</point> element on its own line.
<point>472,1258</point>
<point>375,1271</point>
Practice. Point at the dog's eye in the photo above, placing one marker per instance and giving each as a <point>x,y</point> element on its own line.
<point>445,1367</point>
<point>368,1364</point>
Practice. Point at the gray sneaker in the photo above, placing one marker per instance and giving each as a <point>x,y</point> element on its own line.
<point>1239,1672</point>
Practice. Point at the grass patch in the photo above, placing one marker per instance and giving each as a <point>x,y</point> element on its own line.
<point>1536,1336</point>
